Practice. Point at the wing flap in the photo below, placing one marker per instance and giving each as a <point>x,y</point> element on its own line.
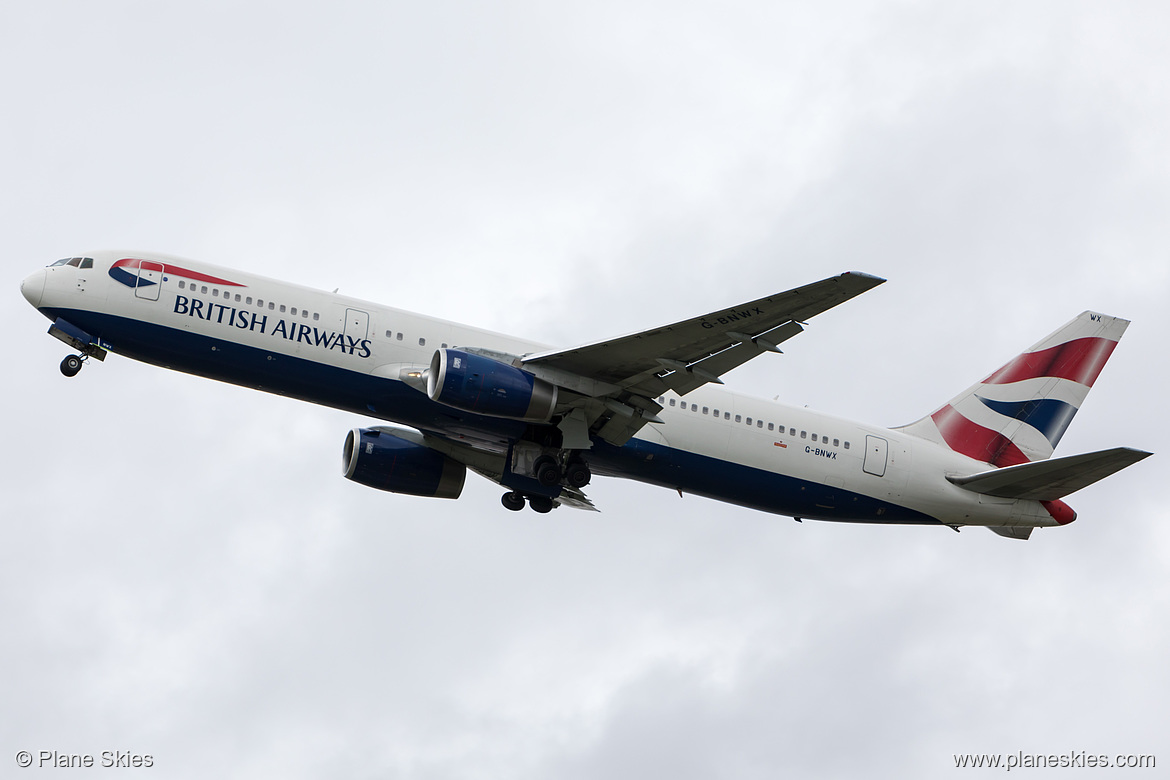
<point>1048,480</point>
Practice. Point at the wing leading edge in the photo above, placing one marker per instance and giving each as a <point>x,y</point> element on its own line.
<point>617,379</point>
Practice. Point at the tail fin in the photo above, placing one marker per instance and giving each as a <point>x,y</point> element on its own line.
<point>1018,414</point>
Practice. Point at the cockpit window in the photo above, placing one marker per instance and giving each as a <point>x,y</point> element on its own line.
<point>76,262</point>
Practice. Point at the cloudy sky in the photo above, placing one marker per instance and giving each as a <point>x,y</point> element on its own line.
<point>185,573</point>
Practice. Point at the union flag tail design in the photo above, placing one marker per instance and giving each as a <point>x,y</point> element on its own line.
<point>1018,414</point>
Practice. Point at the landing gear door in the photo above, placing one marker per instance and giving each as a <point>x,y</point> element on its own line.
<point>876,450</point>
<point>149,284</point>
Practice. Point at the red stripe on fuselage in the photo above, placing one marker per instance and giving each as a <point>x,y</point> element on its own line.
<point>1080,360</point>
<point>186,273</point>
<point>975,441</point>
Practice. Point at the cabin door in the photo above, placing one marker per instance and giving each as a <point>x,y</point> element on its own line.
<point>149,284</point>
<point>876,450</point>
<point>357,324</point>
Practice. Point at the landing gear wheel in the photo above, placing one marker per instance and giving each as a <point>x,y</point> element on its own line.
<point>577,474</point>
<point>541,504</point>
<point>513,500</point>
<point>547,471</point>
<point>71,365</point>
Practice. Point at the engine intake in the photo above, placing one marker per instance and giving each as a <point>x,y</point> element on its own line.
<point>379,459</point>
<point>479,384</point>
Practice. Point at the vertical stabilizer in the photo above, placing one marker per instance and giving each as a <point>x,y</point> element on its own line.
<point>1018,414</point>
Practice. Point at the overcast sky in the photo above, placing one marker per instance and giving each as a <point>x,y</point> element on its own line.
<point>185,573</point>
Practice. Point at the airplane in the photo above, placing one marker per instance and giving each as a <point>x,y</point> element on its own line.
<point>650,406</point>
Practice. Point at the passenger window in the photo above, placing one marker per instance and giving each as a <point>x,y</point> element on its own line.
<point>727,415</point>
<point>316,316</point>
<point>814,437</point>
<point>203,289</point>
<point>759,423</point>
<point>182,285</point>
<point>294,311</point>
<point>271,306</point>
<point>282,308</point>
<point>672,402</point>
<point>836,442</point>
<point>846,445</point>
<point>260,302</point>
<point>237,297</point>
<point>749,421</point>
<point>804,434</point>
<point>389,334</point>
<point>715,412</point>
<point>694,407</point>
<point>399,337</point>
<point>771,427</point>
<point>304,314</point>
<point>739,418</point>
<point>214,292</point>
<point>422,342</point>
<point>704,410</point>
<point>247,300</point>
<point>791,431</point>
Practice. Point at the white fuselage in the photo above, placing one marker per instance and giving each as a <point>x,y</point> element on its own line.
<point>360,356</point>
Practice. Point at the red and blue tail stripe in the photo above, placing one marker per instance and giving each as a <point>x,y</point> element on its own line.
<point>1019,413</point>
<point>1079,360</point>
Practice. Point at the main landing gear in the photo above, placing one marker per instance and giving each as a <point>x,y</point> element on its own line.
<point>548,472</point>
<point>551,466</point>
<point>516,500</point>
<point>72,364</point>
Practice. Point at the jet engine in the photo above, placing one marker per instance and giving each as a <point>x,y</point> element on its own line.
<point>479,384</point>
<point>379,459</point>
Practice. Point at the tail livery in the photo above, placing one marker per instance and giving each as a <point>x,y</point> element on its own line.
<point>1014,419</point>
<point>1019,413</point>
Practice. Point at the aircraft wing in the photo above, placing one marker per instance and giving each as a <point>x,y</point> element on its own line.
<point>626,373</point>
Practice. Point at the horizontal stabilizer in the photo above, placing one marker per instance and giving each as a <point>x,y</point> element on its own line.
<point>1048,480</point>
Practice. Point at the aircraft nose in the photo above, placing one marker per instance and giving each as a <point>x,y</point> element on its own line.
<point>33,288</point>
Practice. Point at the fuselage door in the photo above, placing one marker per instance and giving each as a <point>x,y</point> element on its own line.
<point>876,450</point>
<point>357,324</point>
<point>149,284</point>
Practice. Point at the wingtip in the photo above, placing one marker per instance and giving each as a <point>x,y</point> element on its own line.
<point>863,275</point>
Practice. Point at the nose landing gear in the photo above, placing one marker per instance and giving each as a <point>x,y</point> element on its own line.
<point>72,364</point>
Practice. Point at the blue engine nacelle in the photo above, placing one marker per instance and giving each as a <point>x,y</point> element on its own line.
<point>383,460</point>
<point>475,383</point>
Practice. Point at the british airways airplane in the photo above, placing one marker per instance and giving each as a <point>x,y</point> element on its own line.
<point>648,406</point>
